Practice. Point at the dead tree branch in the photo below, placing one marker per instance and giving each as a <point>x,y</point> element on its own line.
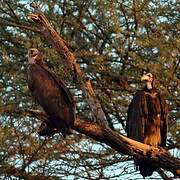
<point>59,44</point>
<point>159,157</point>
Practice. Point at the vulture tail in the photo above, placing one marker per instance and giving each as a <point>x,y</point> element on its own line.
<point>144,168</point>
<point>46,130</point>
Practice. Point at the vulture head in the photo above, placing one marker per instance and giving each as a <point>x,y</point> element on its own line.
<point>33,56</point>
<point>148,78</point>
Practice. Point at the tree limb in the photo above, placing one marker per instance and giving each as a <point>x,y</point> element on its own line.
<point>159,157</point>
<point>59,44</point>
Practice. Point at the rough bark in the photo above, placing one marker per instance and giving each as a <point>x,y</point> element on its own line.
<point>101,132</point>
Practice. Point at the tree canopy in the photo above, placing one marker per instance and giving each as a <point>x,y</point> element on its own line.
<point>113,42</point>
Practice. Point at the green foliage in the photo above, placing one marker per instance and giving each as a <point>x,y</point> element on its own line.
<point>114,43</point>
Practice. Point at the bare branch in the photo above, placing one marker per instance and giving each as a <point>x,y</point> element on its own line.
<point>159,157</point>
<point>59,44</point>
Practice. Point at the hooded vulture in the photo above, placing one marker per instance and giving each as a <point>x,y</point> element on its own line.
<point>147,120</point>
<point>52,95</point>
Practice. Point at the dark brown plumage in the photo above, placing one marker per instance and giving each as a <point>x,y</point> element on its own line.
<point>52,94</point>
<point>147,120</point>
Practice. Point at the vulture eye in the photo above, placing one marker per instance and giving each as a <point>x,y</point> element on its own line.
<point>149,75</point>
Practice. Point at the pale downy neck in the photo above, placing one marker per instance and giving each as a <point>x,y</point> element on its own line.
<point>149,85</point>
<point>31,60</point>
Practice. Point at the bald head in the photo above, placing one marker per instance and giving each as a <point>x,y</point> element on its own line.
<point>148,78</point>
<point>33,54</point>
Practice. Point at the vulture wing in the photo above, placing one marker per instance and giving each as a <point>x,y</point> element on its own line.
<point>62,85</point>
<point>53,95</point>
<point>164,120</point>
<point>137,117</point>
<point>136,125</point>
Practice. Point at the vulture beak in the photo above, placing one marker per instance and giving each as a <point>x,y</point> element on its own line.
<point>145,78</point>
<point>33,52</point>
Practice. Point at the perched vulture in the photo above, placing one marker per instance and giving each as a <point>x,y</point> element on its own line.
<point>147,120</point>
<point>52,94</point>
